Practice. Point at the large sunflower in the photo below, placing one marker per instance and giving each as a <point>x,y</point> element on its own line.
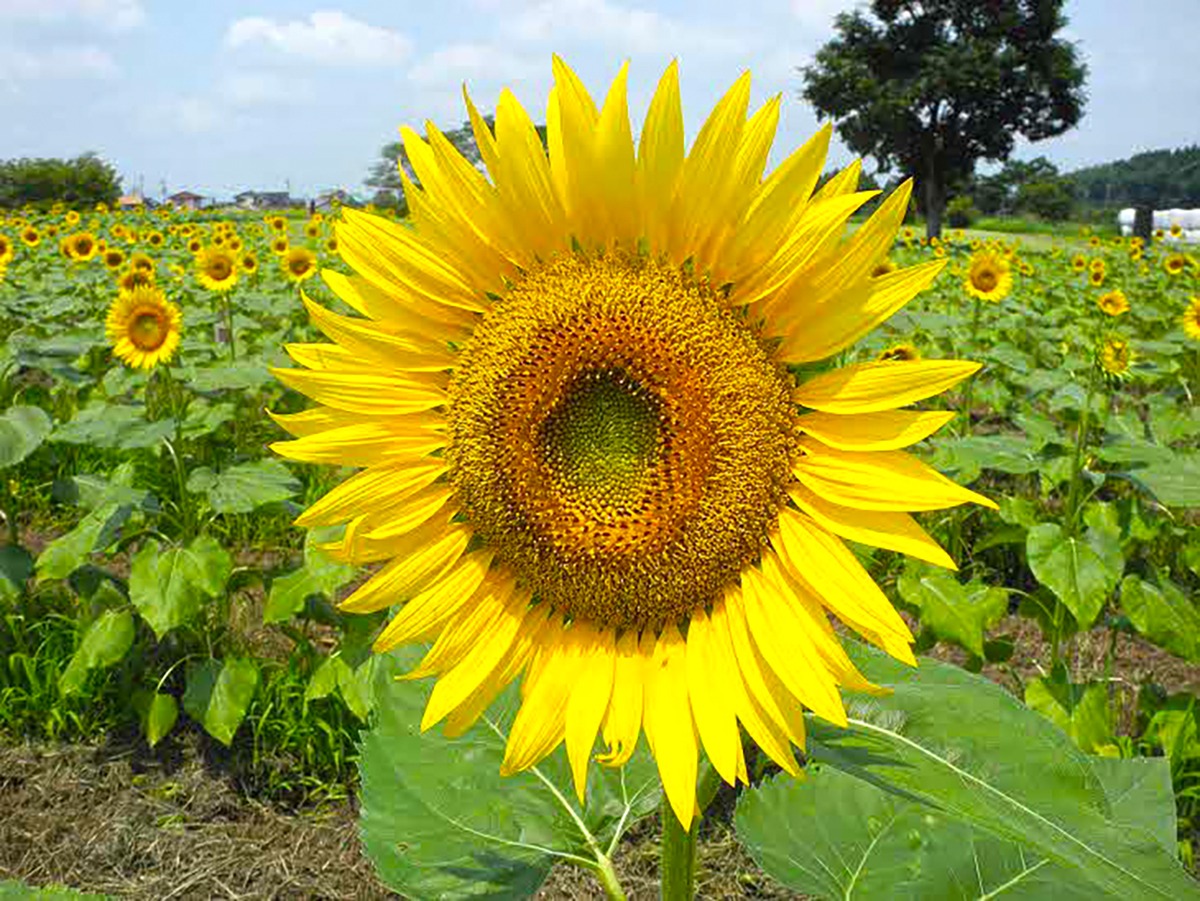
<point>587,464</point>
<point>989,276</point>
<point>143,327</point>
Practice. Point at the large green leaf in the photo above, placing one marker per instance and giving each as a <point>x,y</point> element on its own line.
<point>965,746</point>
<point>835,836</point>
<point>22,430</point>
<point>319,575</point>
<point>16,566</point>
<point>440,822</point>
<point>1082,711</point>
<point>104,643</point>
<point>955,612</point>
<point>169,588</point>
<point>115,426</point>
<point>1175,484</point>
<point>1164,614</point>
<point>218,695</point>
<point>244,487</point>
<point>1082,573</point>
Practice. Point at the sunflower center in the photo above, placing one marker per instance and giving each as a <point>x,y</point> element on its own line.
<point>299,266</point>
<point>620,438</point>
<point>219,268</point>
<point>985,280</point>
<point>147,330</point>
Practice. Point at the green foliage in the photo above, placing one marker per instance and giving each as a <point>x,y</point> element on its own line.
<point>931,89</point>
<point>936,786</point>
<point>1165,179</point>
<point>961,212</point>
<point>85,180</point>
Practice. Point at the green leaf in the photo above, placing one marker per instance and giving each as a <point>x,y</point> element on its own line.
<point>440,822</point>
<point>1004,453</point>
<point>22,431</point>
<point>104,643</point>
<point>115,426</point>
<point>835,836</point>
<point>1175,484</point>
<point>1163,614</point>
<point>218,695</point>
<point>1079,710</point>
<point>965,746</point>
<point>244,487</point>
<point>16,566</point>
<point>956,612</point>
<point>1070,567</point>
<point>112,502</point>
<point>319,575</point>
<point>169,588</point>
<point>157,713</point>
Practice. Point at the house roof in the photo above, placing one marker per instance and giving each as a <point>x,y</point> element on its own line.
<point>182,195</point>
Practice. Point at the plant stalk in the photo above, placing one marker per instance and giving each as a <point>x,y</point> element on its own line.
<point>607,875</point>
<point>677,869</point>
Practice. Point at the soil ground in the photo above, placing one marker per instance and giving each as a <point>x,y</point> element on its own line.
<point>121,820</point>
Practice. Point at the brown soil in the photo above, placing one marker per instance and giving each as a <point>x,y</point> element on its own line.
<point>142,825</point>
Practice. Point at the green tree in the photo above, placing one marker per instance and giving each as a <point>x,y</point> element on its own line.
<point>82,181</point>
<point>930,87</point>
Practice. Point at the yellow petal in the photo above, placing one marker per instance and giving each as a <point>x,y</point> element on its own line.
<point>316,420</point>
<point>399,441</point>
<point>844,182</point>
<point>360,393</point>
<point>623,718</point>
<point>589,699</point>
<point>386,522</point>
<point>670,729</point>
<point>714,702</point>
<point>405,315</point>
<point>429,555</point>
<point>828,569</point>
<point>428,611</point>
<point>491,605</point>
<point>380,486</point>
<point>878,528</point>
<point>660,157</point>
<point>879,480</point>
<point>870,387</point>
<point>363,339</point>
<point>884,430</point>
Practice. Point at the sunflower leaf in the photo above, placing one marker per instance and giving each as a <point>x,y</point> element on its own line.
<point>440,821</point>
<point>968,751</point>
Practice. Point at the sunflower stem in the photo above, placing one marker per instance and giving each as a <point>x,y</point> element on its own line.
<point>225,301</point>
<point>607,874</point>
<point>677,869</point>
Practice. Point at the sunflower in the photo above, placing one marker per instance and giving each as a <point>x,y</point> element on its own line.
<point>279,246</point>
<point>194,245</point>
<point>1094,240</point>
<point>331,244</point>
<point>81,246</point>
<point>6,250</point>
<point>235,244</point>
<point>989,277</point>
<point>143,327</point>
<point>1175,230</point>
<point>249,263</point>
<point>1115,356</point>
<point>1190,320</point>
<point>1114,303</point>
<point>1078,262</point>
<point>587,462</point>
<point>51,230</point>
<point>899,353</point>
<point>1025,268</point>
<point>1096,277</point>
<point>1097,265</point>
<point>277,223</point>
<point>1159,234</point>
<point>312,229</point>
<point>30,236</point>
<point>299,263</point>
<point>154,239</point>
<point>114,257</point>
<point>71,219</point>
<point>135,278</point>
<point>883,267</point>
<point>142,261</point>
<point>1174,263</point>
<point>216,268</point>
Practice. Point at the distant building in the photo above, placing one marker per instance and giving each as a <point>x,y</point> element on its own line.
<point>186,200</point>
<point>326,200</point>
<point>129,201</point>
<point>265,200</point>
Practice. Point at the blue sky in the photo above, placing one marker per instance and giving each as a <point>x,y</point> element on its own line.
<point>221,96</point>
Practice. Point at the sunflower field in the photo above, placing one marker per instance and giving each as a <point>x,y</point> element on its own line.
<point>158,450</point>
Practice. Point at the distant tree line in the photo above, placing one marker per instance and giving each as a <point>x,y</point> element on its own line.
<point>1162,178</point>
<point>82,181</point>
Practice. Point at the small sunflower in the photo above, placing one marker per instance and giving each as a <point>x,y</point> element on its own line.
<point>81,246</point>
<point>1113,303</point>
<point>1176,230</point>
<point>51,230</point>
<point>235,244</point>
<point>114,258</point>
<point>216,268</point>
<point>194,245</point>
<point>900,353</point>
<point>279,246</point>
<point>1078,262</point>
<point>882,268</point>
<point>1159,234</point>
<point>1094,240</point>
<point>142,261</point>
<point>6,249</point>
<point>30,236</point>
<point>1190,320</point>
<point>277,223</point>
<point>71,219</point>
<point>989,277</point>
<point>331,244</point>
<point>299,263</point>
<point>135,278</point>
<point>1025,268</point>
<point>155,239</point>
<point>143,327</point>
<point>249,263</point>
<point>590,469</point>
<point>1097,265</point>
<point>1096,277</point>
<point>1115,356</point>
<point>1174,263</point>
<point>312,229</point>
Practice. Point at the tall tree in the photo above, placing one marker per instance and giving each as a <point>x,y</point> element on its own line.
<point>82,181</point>
<point>932,86</point>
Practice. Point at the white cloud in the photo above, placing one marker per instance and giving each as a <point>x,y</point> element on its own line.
<point>456,63</point>
<point>631,30</point>
<point>61,61</point>
<point>260,89</point>
<point>327,36</point>
<point>112,15</point>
